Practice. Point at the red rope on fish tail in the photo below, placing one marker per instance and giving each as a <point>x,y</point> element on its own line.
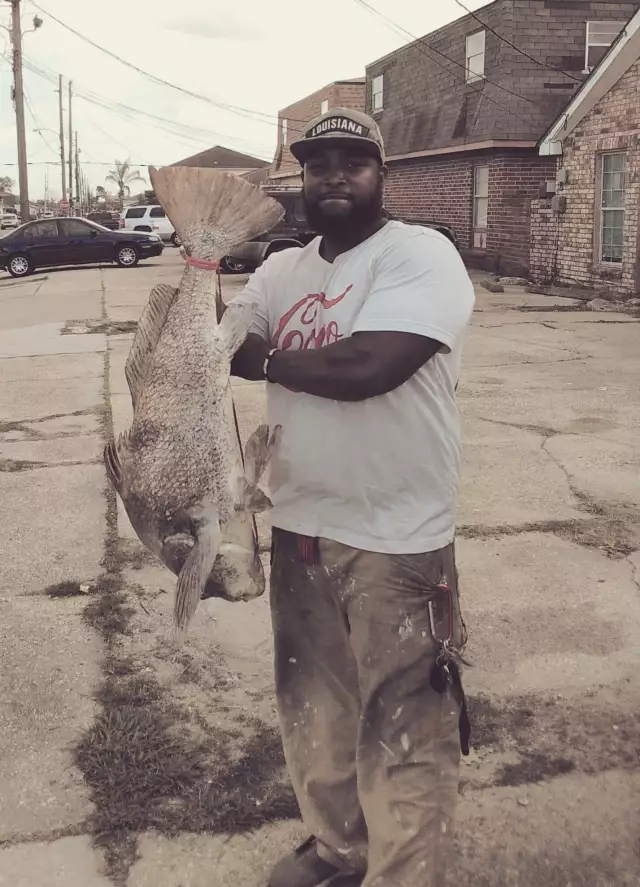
<point>205,264</point>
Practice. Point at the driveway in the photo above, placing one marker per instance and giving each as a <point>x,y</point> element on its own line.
<point>124,761</point>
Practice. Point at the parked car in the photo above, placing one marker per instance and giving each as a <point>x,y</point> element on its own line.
<point>9,220</point>
<point>72,241</point>
<point>294,231</point>
<point>105,218</point>
<point>151,219</point>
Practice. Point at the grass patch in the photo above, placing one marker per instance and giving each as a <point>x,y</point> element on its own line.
<point>553,737</point>
<point>109,613</point>
<point>609,534</point>
<point>534,767</point>
<point>65,589</point>
<point>150,768</point>
<point>13,466</point>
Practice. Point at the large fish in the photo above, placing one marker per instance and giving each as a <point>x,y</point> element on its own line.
<point>179,470</point>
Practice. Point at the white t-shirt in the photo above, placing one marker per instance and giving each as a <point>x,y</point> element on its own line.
<point>382,474</point>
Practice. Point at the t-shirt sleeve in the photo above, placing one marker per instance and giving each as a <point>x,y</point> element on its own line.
<point>420,285</point>
<point>256,291</point>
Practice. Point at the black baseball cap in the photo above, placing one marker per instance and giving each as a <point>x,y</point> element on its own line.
<point>339,124</point>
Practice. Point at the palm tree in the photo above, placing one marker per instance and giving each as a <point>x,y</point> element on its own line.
<point>123,176</point>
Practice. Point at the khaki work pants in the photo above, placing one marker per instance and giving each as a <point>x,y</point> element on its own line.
<point>372,750</point>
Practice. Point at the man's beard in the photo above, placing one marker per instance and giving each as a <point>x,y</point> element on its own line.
<point>361,215</point>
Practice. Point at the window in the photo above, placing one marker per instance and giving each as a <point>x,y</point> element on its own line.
<point>41,230</point>
<point>298,212</point>
<point>75,228</point>
<point>600,36</point>
<point>480,206</point>
<point>324,106</point>
<point>136,213</point>
<point>283,126</point>
<point>377,92</point>
<point>612,193</point>
<point>475,56</point>
<point>157,213</point>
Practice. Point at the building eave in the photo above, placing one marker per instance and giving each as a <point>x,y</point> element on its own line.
<point>622,54</point>
<point>463,149</point>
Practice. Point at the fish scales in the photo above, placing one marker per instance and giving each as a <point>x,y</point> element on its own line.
<point>179,470</point>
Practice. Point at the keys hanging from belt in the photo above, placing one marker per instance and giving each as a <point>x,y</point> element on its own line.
<point>445,671</point>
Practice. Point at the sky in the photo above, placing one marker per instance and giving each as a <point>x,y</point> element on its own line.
<point>253,55</point>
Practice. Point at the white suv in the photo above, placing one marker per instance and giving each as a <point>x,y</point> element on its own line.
<point>8,219</point>
<point>152,219</point>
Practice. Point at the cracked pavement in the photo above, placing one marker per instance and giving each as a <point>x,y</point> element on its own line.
<point>550,577</point>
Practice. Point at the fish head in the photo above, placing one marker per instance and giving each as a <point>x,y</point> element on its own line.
<point>238,574</point>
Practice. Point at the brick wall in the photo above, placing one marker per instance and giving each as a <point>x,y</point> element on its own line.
<point>428,104</point>
<point>514,180</point>
<point>341,94</point>
<point>613,125</point>
<point>440,189</point>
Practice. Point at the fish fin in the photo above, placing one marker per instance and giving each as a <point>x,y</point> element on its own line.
<point>259,450</point>
<point>112,456</point>
<point>213,211</point>
<point>195,574</point>
<point>234,326</point>
<point>253,499</point>
<point>150,326</point>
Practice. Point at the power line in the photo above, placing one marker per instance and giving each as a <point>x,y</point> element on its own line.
<point>133,115</point>
<point>36,121</point>
<point>513,46</point>
<point>236,109</point>
<point>421,42</point>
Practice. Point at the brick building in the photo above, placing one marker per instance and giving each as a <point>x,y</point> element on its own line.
<point>462,111</point>
<point>590,233</point>
<point>285,170</point>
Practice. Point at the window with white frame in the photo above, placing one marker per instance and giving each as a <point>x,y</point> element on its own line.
<point>480,206</point>
<point>475,56</point>
<point>283,130</point>
<point>600,36</point>
<point>324,106</point>
<point>377,92</point>
<point>612,194</point>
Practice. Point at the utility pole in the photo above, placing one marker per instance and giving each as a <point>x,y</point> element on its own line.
<point>18,97</point>
<point>62,160</point>
<point>70,146</point>
<point>77,171</point>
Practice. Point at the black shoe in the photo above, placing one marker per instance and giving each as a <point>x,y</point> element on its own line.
<point>302,868</point>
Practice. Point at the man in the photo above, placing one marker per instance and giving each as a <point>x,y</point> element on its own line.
<point>359,337</point>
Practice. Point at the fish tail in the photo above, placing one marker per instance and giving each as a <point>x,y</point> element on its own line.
<point>213,211</point>
<point>194,575</point>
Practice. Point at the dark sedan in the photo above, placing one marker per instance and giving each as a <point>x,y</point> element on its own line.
<point>69,241</point>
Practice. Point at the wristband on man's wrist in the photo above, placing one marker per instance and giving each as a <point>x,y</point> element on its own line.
<point>265,365</point>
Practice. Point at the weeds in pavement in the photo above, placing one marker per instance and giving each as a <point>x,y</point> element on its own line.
<point>64,589</point>
<point>534,767</point>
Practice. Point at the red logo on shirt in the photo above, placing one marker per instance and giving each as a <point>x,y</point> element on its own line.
<point>290,330</point>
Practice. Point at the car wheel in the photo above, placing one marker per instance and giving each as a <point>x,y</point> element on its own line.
<point>175,239</point>
<point>233,266</point>
<point>19,265</point>
<point>127,256</point>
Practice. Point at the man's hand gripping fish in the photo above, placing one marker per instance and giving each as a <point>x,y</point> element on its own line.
<point>179,469</point>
